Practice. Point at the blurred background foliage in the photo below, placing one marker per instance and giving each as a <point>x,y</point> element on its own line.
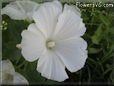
<point>99,67</point>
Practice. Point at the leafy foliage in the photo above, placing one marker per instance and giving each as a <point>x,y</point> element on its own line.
<point>99,66</point>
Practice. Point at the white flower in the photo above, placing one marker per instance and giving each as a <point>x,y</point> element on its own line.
<point>20,10</point>
<point>55,39</point>
<point>8,74</point>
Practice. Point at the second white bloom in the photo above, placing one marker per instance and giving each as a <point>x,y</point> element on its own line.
<point>55,39</point>
<point>20,10</point>
<point>8,74</point>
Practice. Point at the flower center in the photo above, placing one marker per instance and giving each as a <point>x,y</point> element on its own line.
<point>50,44</point>
<point>8,77</point>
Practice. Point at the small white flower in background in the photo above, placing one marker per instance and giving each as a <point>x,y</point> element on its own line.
<point>20,10</point>
<point>55,39</point>
<point>8,74</point>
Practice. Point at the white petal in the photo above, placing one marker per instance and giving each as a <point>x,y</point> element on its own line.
<point>69,25</point>
<point>33,28</point>
<point>32,43</point>
<point>51,67</point>
<point>72,8</point>
<point>14,12</point>
<point>46,17</point>
<point>19,79</point>
<point>73,53</point>
<point>6,69</point>
<point>20,10</point>
<point>29,7</point>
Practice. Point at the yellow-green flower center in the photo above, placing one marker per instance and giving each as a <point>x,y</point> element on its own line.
<point>8,77</point>
<point>50,44</point>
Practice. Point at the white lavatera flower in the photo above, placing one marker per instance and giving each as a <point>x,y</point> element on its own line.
<point>8,74</point>
<point>55,40</point>
<point>20,10</point>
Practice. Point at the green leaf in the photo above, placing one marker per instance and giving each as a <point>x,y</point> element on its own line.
<point>98,35</point>
<point>104,19</point>
<point>51,82</point>
<point>93,50</point>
